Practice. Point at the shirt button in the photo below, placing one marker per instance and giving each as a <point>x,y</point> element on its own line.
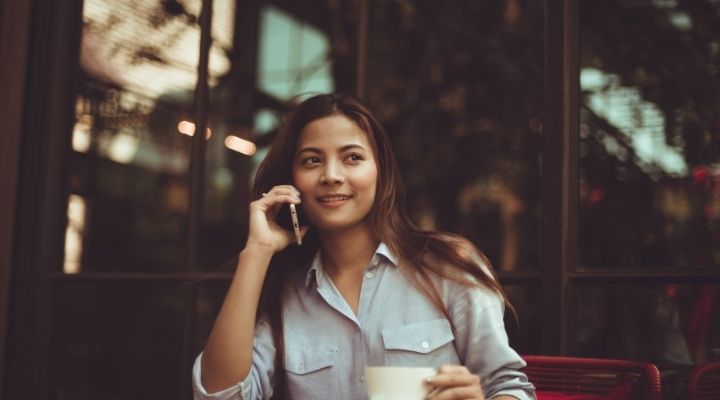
<point>425,345</point>
<point>362,378</point>
<point>369,275</point>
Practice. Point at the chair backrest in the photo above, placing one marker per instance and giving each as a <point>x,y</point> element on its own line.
<point>704,382</point>
<point>604,378</point>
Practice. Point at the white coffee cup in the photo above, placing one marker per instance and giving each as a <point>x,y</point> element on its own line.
<point>397,383</point>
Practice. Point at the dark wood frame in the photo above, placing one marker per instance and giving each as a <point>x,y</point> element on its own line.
<point>559,170</point>
<point>14,33</point>
<point>40,212</point>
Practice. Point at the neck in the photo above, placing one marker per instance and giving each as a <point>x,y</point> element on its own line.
<point>347,251</point>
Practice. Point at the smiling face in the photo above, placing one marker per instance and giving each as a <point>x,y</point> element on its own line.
<point>335,171</point>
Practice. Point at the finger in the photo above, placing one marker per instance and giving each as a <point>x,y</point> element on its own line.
<point>283,189</point>
<point>274,194</point>
<point>273,201</point>
<point>279,201</point>
<point>447,380</point>
<point>452,369</point>
<point>462,392</point>
<point>271,205</point>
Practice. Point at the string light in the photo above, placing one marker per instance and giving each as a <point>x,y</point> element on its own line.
<point>188,128</point>
<point>240,145</point>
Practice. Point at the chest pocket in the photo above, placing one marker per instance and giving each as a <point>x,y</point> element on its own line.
<point>310,371</point>
<point>422,344</point>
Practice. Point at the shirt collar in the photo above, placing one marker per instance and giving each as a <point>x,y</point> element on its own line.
<point>316,271</point>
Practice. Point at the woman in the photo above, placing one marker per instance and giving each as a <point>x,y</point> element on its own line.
<point>365,288</point>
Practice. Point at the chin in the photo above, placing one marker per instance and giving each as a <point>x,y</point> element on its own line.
<point>336,226</point>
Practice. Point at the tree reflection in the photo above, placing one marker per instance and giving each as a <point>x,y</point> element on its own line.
<point>660,179</point>
<point>459,86</point>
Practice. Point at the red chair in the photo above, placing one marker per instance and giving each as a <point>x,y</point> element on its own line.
<point>704,382</point>
<point>592,379</point>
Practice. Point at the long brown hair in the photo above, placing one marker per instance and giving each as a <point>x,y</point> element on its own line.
<point>426,253</point>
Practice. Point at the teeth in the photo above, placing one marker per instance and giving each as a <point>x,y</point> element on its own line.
<point>333,198</point>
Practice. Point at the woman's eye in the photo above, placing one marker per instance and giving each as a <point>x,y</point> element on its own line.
<point>354,157</point>
<point>310,160</point>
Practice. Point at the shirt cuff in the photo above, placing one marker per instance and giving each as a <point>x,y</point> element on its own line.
<point>239,391</point>
<point>518,394</point>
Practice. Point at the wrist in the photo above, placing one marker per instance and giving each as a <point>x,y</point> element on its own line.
<point>258,249</point>
<point>260,246</point>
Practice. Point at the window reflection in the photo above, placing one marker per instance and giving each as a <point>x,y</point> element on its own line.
<point>670,325</point>
<point>294,56</point>
<point>523,330</point>
<point>459,87</point>
<point>650,166</point>
<point>288,50</point>
<point>151,47</point>
<point>139,66</point>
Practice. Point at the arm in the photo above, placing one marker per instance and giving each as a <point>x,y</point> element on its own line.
<point>227,357</point>
<point>482,344</point>
<point>490,368</point>
<point>228,354</point>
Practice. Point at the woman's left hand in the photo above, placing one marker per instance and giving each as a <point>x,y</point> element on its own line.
<point>454,382</point>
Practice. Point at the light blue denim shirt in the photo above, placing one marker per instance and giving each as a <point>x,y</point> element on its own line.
<point>327,346</point>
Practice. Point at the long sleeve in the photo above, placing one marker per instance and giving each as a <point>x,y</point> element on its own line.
<point>257,385</point>
<point>482,343</point>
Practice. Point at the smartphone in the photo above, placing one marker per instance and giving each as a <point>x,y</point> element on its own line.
<point>295,224</point>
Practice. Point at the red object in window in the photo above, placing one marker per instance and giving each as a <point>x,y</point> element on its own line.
<point>596,196</point>
<point>700,174</point>
<point>698,325</point>
<point>592,379</point>
<point>704,382</point>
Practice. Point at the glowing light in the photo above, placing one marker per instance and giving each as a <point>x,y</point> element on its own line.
<point>123,147</point>
<point>81,138</point>
<point>240,145</point>
<point>112,54</point>
<point>188,128</point>
<point>74,234</point>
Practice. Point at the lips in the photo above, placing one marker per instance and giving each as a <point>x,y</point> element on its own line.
<point>329,198</point>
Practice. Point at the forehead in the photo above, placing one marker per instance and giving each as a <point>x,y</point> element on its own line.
<point>334,130</point>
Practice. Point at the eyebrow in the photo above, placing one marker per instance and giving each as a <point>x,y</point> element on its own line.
<point>341,150</point>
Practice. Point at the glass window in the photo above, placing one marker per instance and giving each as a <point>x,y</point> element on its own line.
<point>292,51</point>
<point>294,56</point>
<point>459,88</point>
<point>131,140</point>
<point>210,297</point>
<point>523,330</point>
<point>671,325</point>
<point>649,151</point>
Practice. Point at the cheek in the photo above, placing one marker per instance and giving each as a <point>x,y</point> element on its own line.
<point>301,181</point>
<point>368,181</point>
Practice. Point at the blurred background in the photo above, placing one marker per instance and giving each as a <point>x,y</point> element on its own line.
<point>576,143</point>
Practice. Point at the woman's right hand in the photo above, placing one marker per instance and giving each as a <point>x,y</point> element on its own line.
<point>263,230</point>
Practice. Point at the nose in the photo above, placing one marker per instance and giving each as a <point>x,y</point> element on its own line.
<point>332,174</point>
